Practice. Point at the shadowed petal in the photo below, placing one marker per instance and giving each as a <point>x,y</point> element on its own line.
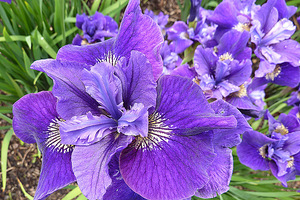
<point>90,164</point>
<point>119,189</point>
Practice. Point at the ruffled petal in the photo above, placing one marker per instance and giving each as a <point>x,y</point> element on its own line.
<point>90,164</point>
<point>139,85</point>
<point>166,166</point>
<point>86,129</point>
<point>106,88</point>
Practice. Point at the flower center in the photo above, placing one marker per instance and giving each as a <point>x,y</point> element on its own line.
<point>53,139</point>
<point>158,132</point>
<point>110,58</point>
<point>242,27</point>
<point>226,56</point>
<point>281,129</point>
<point>290,162</point>
<point>271,76</point>
<point>242,92</point>
<point>263,151</point>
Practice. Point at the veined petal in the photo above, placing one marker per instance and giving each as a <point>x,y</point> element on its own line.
<point>139,32</point>
<point>101,83</point>
<point>36,120</point>
<point>68,87</point>
<point>90,164</point>
<point>166,166</point>
<point>289,50</point>
<point>282,30</point>
<point>181,104</point>
<point>220,173</point>
<point>87,54</point>
<point>86,129</point>
<point>205,61</point>
<point>118,188</point>
<point>138,83</point>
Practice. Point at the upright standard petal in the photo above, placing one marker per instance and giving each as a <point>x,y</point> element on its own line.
<point>90,164</point>
<point>139,32</point>
<point>68,87</point>
<point>138,82</point>
<point>36,120</point>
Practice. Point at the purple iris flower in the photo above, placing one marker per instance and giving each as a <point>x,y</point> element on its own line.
<point>161,19</point>
<point>171,60</point>
<point>279,151</point>
<point>232,14</point>
<point>270,32</point>
<point>125,111</point>
<point>284,74</point>
<point>95,28</point>
<point>223,69</point>
<point>295,112</point>
<point>178,33</point>
<point>249,99</point>
<point>36,121</point>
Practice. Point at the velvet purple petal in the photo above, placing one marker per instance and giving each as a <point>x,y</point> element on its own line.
<point>90,164</point>
<point>119,189</point>
<point>292,144</point>
<point>248,151</point>
<point>86,129</point>
<point>183,104</point>
<point>103,86</point>
<point>87,54</point>
<point>205,60</point>
<point>139,32</point>
<point>185,71</point>
<point>220,174</point>
<point>167,166</point>
<point>229,137</point>
<point>68,87</point>
<point>139,85</point>
<point>35,120</point>
<point>289,51</point>
<point>285,11</point>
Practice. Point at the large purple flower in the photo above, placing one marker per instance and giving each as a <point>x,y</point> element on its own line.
<point>36,121</point>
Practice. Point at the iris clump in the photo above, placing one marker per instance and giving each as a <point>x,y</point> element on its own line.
<point>133,115</point>
<point>111,111</point>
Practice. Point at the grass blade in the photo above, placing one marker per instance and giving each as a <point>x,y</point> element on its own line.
<point>4,152</point>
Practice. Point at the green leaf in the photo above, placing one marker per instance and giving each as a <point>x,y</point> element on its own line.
<point>4,153</point>
<point>71,195</point>
<point>27,63</point>
<point>6,118</point>
<point>95,6</point>
<point>81,197</point>
<point>24,191</point>
<point>43,43</point>
<point>115,7</point>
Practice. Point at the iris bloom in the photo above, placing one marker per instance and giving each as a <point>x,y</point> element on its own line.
<point>279,151</point>
<point>95,28</point>
<point>122,133</point>
<point>223,69</point>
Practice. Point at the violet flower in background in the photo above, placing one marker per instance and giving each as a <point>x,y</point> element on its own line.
<point>279,151</point>
<point>223,69</point>
<point>161,19</point>
<point>95,28</point>
<point>295,98</point>
<point>272,37</point>
<point>36,121</point>
<point>171,60</point>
